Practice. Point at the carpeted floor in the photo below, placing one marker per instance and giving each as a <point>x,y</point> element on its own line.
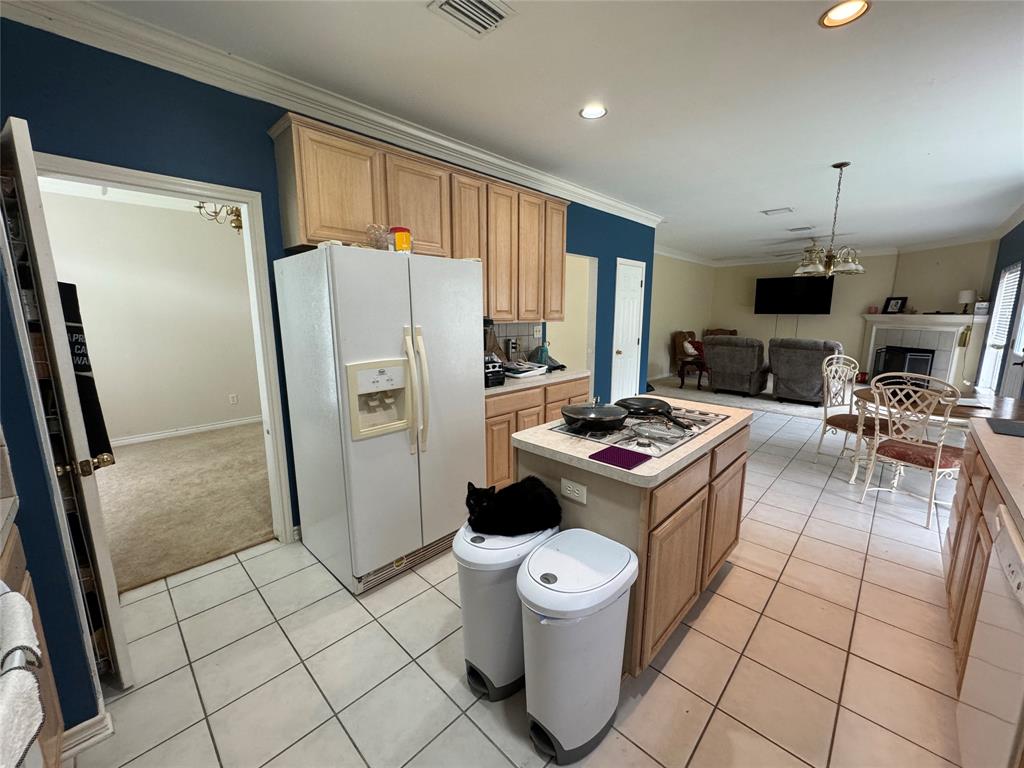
<point>669,387</point>
<point>175,503</point>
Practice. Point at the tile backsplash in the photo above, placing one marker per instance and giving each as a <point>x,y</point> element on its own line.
<point>522,332</point>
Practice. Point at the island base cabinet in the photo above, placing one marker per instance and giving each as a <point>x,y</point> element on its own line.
<point>673,572</point>
<point>725,508</point>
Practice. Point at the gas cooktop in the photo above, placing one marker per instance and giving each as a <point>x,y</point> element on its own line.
<point>653,435</point>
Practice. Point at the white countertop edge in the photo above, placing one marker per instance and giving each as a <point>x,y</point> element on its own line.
<point>517,385</point>
<point>987,440</point>
<point>678,459</point>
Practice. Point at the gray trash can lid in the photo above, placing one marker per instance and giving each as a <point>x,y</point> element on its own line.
<point>484,552</point>
<point>575,573</point>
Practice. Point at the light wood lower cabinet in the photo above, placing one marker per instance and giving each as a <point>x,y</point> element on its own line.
<point>674,571</point>
<point>974,579</point>
<point>529,417</point>
<point>725,508</point>
<point>498,444</point>
<point>419,197</point>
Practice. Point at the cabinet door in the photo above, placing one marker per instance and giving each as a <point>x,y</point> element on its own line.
<point>579,399</point>
<point>554,410</point>
<point>502,251</point>
<point>673,572</point>
<point>974,580</point>
<point>342,187</point>
<point>419,197</point>
<point>469,222</point>
<point>499,431</point>
<point>529,417</point>
<point>961,555</point>
<point>554,260</point>
<point>725,506</point>
<point>531,257</point>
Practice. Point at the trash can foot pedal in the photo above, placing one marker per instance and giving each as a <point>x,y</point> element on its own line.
<point>482,684</point>
<point>549,745</point>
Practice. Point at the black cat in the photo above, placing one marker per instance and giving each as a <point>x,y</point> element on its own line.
<point>524,507</point>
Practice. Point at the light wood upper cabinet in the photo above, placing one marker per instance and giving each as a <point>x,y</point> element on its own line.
<point>469,222</point>
<point>725,506</point>
<point>502,251</point>
<point>554,260</point>
<point>419,197</point>
<point>673,572</point>
<point>338,186</point>
<point>530,286</point>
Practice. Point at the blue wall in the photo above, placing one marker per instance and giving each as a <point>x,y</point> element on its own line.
<point>590,232</point>
<point>1011,250</point>
<point>85,103</point>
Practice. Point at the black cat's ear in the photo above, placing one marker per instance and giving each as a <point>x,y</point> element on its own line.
<point>470,486</point>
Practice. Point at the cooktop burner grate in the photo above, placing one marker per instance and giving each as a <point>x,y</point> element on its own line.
<point>653,435</point>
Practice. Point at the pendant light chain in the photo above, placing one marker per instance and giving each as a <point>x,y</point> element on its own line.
<point>835,211</point>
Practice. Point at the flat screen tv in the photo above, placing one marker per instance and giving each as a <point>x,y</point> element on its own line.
<point>793,296</point>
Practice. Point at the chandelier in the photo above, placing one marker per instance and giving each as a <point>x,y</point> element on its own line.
<point>221,214</point>
<point>821,262</point>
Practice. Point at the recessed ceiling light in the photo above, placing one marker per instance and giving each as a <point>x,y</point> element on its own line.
<point>844,12</point>
<point>593,111</point>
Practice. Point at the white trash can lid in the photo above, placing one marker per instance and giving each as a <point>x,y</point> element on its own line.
<point>575,573</point>
<point>484,552</point>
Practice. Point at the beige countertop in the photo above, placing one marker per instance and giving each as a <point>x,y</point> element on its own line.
<point>516,385</point>
<point>1005,457</point>
<point>576,450</point>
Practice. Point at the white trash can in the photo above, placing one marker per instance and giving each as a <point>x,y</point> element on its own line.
<point>492,623</point>
<point>575,593</point>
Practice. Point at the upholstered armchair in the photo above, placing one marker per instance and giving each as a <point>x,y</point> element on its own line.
<point>796,367</point>
<point>736,364</point>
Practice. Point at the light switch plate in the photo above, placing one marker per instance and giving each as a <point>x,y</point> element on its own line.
<point>575,491</point>
<point>537,332</point>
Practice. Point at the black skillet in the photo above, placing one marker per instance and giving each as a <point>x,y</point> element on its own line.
<point>591,417</point>
<point>652,406</point>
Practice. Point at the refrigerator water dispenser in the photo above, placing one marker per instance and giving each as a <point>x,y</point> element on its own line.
<point>377,397</point>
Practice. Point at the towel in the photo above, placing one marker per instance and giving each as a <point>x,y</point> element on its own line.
<point>21,713</point>
<point>17,633</point>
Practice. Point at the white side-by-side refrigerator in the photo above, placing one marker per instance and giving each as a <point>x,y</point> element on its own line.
<point>383,366</point>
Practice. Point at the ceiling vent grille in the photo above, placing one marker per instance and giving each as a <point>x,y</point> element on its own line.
<point>474,17</point>
<point>799,229</point>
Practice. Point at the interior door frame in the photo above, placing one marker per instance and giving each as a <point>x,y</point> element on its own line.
<point>632,263</point>
<point>258,276</point>
<point>1016,338</point>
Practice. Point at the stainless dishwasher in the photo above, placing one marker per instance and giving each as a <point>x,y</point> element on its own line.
<point>990,712</point>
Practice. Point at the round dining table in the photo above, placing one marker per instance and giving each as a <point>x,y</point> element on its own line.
<point>987,406</point>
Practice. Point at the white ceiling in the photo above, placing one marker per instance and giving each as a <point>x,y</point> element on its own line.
<point>716,109</point>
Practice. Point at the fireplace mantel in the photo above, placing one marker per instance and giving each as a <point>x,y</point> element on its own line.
<point>926,322</point>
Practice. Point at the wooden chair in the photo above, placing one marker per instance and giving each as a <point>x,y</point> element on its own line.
<point>912,403</point>
<point>681,361</point>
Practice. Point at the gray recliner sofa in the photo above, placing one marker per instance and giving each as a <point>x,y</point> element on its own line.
<point>736,364</point>
<point>796,367</point>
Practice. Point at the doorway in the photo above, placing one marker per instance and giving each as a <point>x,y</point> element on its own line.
<point>626,338</point>
<point>187,377</point>
<point>571,340</point>
<point>1004,344</point>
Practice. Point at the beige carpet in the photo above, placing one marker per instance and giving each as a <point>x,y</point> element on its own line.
<point>669,387</point>
<point>175,503</point>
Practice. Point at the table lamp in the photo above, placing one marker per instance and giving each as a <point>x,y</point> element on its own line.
<point>965,298</point>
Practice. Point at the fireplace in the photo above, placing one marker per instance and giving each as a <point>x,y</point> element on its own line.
<point>910,359</point>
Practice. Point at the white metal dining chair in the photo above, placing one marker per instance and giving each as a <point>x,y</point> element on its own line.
<point>838,373</point>
<point>912,404</point>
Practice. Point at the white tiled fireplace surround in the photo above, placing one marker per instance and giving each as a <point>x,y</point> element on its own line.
<point>939,333</point>
<point>824,642</point>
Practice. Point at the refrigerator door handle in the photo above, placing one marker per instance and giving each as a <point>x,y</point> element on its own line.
<point>425,376</point>
<point>414,391</point>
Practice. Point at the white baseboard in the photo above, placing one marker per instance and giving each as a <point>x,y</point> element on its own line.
<point>85,734</point>
<point>145,438</point>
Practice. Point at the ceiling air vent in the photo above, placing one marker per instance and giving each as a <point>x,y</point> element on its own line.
<point>475,17</point>
<point>776,211</point>
<point>799,229</point>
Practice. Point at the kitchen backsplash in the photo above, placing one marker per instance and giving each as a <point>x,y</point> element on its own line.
<point>523,333</point>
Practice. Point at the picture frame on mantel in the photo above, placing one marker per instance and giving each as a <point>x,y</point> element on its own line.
<point>894,305</point>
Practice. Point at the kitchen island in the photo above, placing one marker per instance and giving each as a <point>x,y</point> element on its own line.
<point>679,512</point>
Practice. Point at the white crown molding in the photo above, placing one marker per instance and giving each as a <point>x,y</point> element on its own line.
<point>109,30</point>
<point>674,253</point>
<point>991,240</point>
<point>1015,220</point>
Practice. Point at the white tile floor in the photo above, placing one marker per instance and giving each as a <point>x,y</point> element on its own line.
<point>824,642</point>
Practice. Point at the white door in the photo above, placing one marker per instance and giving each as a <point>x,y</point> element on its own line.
<point>79,480</point>
<point>371,316</point>
<point>629,319</point>
<point>999,328</point>
<point>447,308</point>
<point>1013,361</point>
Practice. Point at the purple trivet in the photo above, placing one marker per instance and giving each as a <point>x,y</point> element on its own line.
<point>620,457</point>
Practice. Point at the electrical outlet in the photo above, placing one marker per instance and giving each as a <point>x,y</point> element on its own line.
<point>537,332</point>
<point>233,399</point>
<point>575,491</point>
